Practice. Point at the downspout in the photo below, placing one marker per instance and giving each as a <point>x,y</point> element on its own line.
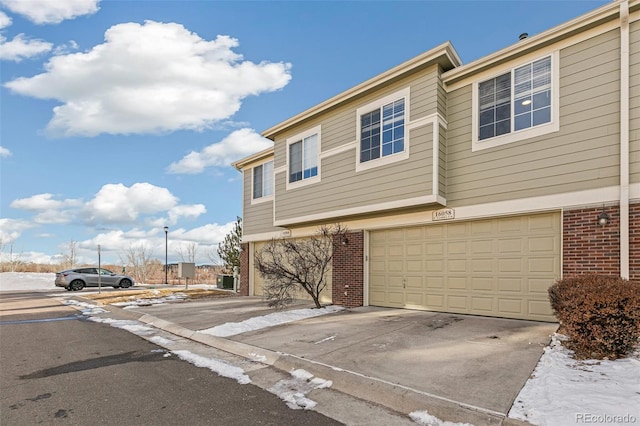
<point>624,139</point>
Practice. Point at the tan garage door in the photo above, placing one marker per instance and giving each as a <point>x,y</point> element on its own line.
<point>495,267</point>
<point>258,282</point>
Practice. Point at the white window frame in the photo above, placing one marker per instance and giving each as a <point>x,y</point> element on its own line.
<point>267,197</point>
<point>377,104</point>
<point>297,138</point>
<point>531,132</point>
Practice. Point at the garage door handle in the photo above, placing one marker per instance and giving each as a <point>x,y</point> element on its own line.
<point>404,282</point>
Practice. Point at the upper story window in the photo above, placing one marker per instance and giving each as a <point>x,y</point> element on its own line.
<point>517,104</point>
<point>263,180</point>
<point>382,137</point>
<point>381,131</point>
<point>303,153</point>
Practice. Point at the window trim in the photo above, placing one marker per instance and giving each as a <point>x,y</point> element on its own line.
<point>377,104</point>
<point>267,197</point>
<point>531,132</point>
<point>297,138</point>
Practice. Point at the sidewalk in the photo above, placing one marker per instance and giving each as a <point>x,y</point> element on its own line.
<point>459,368</point>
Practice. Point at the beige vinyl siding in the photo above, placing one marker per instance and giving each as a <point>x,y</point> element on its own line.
<point>583,155</point>
<point>341,187</point>
<point>634,104</point>
<point>257,218</point>
<point>424,93</point>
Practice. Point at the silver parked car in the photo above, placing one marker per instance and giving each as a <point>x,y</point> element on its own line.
<point>79,278</point>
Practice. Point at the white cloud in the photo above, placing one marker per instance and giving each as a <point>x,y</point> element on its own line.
<point>190,211</point>
<point>207,234</point>
<point>22,48</point>
<point>49,210</point>
<point>10,229</point>
<point>238,144</point>
<point>51,11</point>
<point>5,21</point>
<point>4,152</point>
<point>116,203</point>
<point>42,202</point>
<point>149,78</point>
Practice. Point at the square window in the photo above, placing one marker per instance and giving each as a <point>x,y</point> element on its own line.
<point>514,101</point>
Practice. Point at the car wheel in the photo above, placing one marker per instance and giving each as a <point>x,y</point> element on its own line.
<point>76,285</point>
<point>125,283</point>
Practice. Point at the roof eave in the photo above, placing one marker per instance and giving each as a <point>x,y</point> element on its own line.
<point>444,54</point>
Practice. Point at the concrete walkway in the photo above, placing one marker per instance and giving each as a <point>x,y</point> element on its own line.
<point>460,368</point>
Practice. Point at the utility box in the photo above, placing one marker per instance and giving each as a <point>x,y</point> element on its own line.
<point>225,282</point>
<point>186,270</point>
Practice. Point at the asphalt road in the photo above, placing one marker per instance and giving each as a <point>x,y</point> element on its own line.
<point>58,367</point>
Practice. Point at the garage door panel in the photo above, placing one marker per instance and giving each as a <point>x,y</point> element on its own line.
<point>510,246</point>
<point>457,302</point>
<point>482,304</point>
<point>415,282</point>
<point>509,266</point>
<point>456,248</point>
<point>497,267</point>
<point>434,282</point>
<point>479,266</point>
<point>482,247</point>
<point>456,266</point>
<point>510,285</point>
<point>457,283</point>
<point>542,265</point>
<point>434,249</point>
<point>482,284</point>
<point>510,306</point>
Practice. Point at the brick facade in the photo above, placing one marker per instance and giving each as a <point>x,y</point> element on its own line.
<point>348,270</point>
<point>244,270</point>
<point>634,241</point>
<point>588,247</point>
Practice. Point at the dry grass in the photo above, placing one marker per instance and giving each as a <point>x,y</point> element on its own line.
<point>198,293</point>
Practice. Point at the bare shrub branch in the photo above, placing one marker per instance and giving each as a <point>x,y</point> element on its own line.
<point>292,265</point>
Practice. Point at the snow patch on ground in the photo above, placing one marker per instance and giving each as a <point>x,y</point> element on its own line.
<point>425,419</point>
<point>564,391</point>
<point>18,281</point>
<point>294,391</point>
<point>270,320</point>
<point>86,308</point>
<point>131,326</point>
<point>135,302</point>
<point>222,368</point>
<point>161,341</point>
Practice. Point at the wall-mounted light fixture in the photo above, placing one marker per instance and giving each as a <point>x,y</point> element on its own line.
<point>603,218</point>
<point>345,241</point>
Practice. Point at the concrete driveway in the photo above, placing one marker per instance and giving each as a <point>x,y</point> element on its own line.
<point>395,357</point>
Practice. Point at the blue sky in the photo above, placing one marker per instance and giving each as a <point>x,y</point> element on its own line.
<point>120,117</point>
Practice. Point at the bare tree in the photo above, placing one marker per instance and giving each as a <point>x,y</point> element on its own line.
<point>10,260</point>
<point>291,265</point>
<point>70,258</point>
<point>139,262</point>
<point>188,252</point>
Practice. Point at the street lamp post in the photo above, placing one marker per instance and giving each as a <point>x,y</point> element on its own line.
<point>166,254</point>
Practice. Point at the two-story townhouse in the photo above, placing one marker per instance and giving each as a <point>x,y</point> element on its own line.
<point>467,188</point>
